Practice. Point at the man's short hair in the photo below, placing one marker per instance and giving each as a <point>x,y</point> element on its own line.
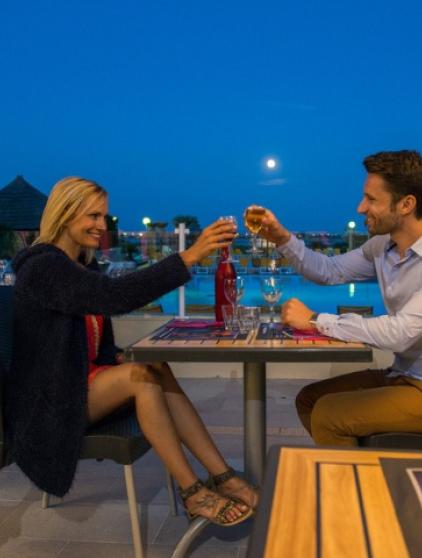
<point>402,172</point>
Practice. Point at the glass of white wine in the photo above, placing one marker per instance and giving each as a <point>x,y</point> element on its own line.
<point>253,222</point>
<point>271,291</point>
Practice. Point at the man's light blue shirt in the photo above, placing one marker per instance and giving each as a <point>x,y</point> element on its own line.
<point>400,280</point>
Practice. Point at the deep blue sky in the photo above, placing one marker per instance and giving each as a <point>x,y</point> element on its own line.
<point>173,106</point>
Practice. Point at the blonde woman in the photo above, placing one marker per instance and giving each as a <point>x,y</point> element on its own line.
<point>64,372</point>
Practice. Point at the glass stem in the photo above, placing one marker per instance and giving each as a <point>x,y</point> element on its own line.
<point>254,249</point>
<point>272,313</point>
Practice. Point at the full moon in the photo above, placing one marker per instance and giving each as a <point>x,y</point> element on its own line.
<point>271,164</point>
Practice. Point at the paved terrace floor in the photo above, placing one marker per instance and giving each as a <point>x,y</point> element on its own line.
<point>93,519</point>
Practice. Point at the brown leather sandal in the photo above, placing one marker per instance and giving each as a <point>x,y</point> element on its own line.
<point>217,482</point>
<point>211,501</point>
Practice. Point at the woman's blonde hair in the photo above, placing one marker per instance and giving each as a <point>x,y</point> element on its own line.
<point>63,205</point>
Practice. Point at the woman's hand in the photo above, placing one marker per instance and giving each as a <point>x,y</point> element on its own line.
<point>273,230</point>
<point>217,235</point>
<point>296,314</point>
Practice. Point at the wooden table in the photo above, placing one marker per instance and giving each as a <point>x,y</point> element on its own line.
<point>254,354</point>
<point>338,503</point>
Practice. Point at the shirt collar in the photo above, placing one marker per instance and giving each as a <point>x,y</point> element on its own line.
<point>416,247</point>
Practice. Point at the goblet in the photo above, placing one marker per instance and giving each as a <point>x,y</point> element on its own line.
<point>271,291</point>
<point>253,222</point>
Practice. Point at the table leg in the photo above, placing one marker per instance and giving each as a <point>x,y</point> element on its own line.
<point>255,427</point>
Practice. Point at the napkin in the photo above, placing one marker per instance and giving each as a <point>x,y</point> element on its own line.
<point>308,334</point>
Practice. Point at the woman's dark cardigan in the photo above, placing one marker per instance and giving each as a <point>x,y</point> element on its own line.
<point>46,389</point>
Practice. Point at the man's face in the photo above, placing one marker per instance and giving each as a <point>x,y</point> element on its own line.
<point>382,215</point>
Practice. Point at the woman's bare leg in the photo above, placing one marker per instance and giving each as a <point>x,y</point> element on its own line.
<point>196,438</point>
<point>118,385</point>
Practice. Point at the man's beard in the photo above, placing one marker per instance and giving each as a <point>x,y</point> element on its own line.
<point>386,225</point>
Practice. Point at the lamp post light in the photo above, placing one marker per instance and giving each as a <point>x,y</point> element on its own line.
<point>351,225</point>
<point>146,221</point>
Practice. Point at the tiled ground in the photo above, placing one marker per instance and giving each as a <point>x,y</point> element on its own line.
<point>93,520</point>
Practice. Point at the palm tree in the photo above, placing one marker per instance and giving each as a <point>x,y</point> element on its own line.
<point>190,221</point>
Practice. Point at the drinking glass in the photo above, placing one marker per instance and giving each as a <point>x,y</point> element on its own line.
<point>248,317</point>
<point>234,289</point>
<point>271,291</point>
<point>253,222</point>
<point>233,220</point>
<point>229,317</point>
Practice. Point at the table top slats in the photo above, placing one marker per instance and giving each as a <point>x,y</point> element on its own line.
<point>207,345</point>
<point>352,514</point>
<point>287,529</point>
<point>386,537</point>
<point>340,512</point>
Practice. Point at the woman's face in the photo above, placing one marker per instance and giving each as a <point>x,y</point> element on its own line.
<point>86,229</point>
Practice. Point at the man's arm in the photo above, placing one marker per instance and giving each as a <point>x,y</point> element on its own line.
<point>353,266</point>
<point>396,333</point>
<point>327,270</point>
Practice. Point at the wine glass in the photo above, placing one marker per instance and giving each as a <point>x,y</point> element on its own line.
<point>234,289</point>
<point>253,222</point>
<point>232,219</point>
<point>271,291</point>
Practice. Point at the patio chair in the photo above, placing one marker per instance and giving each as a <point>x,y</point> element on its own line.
<point>242,265</point>
<point>6,293</point>
<point>362,310</point>
<point>266,309</point>
<point>117,437</point>
<point>207,265</point>
<point>202,270</point>
<point>393,440</point>
<point>152,309</point>
<point>200,309</point>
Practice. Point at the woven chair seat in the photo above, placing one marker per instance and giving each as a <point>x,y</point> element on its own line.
<point>116,438</point>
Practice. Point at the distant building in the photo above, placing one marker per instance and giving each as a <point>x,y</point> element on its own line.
<point>21,206</point>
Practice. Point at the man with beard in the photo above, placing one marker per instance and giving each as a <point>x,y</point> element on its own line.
<point>338,410</point>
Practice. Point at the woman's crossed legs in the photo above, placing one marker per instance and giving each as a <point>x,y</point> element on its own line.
<point>168,420</point>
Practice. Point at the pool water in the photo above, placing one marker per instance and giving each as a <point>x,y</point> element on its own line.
<point>200,290</point>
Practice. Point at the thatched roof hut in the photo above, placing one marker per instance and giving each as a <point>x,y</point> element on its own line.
<point>21,206</point>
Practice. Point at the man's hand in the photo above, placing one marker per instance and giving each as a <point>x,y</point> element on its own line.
<point>294,313</point>
<point>273,230</point>
<point>217,235</point>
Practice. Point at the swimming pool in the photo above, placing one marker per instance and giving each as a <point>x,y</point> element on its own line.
<point>200,290</point>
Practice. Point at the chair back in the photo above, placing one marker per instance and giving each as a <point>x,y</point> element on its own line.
<point>200,309</point>
<point>362,310</point>
<point>6,335</point>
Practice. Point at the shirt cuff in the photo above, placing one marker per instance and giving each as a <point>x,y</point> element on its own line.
<point>325,323</point>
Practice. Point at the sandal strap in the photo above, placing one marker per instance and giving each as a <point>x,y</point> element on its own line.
<point>221,515</point>
<point>233,493</point>
<point>210,501</point>
<point>223,477</point>
<point>191,490</point>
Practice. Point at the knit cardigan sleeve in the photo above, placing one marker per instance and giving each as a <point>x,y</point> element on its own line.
<point>56,282</point>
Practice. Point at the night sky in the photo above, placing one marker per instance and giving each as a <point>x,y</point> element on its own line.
<point>174,106</point>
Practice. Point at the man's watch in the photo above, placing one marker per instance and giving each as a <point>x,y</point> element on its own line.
<point>313,318</point>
